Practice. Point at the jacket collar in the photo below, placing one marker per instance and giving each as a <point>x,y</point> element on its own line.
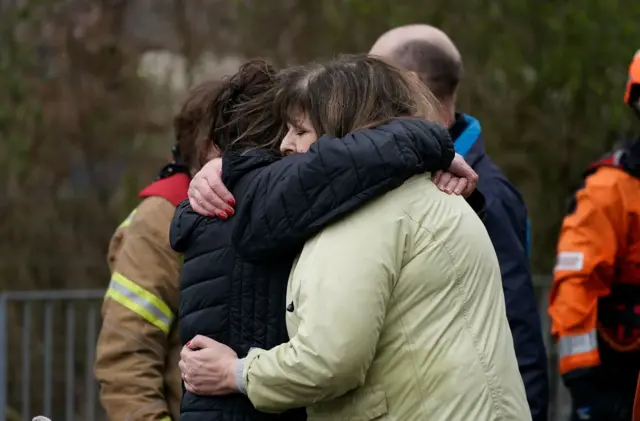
<point>237,164</point>
<point>466,133</point>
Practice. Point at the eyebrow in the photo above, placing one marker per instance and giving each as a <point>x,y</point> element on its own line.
<point>297,124</point>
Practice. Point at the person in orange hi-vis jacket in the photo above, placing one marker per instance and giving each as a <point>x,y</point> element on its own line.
<point>595,299</point>
<point>138,348</point>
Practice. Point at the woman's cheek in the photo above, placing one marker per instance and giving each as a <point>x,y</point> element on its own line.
<point>306,143</point>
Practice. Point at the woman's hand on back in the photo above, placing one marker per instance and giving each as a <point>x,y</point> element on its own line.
<point>208,196</point>
<point>460,179</point>
<point>208,367</point>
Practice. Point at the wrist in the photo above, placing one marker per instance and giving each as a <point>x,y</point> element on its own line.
<point>240,382</point>
<point>231,377</point>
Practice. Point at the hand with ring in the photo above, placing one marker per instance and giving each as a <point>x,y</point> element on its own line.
<point>208,367</point>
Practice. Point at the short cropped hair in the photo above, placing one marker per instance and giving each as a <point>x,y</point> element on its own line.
<point>436,68</point>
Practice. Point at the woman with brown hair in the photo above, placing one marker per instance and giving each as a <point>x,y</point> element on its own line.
<point>241,302</point>
<point>396,311</point>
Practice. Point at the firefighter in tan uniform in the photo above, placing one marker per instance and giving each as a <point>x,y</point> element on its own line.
<point>138,348</point>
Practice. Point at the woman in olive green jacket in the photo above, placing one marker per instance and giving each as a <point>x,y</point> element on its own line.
<point>395,312</point>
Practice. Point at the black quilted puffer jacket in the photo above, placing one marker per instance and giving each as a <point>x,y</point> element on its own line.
<point>240,302</point>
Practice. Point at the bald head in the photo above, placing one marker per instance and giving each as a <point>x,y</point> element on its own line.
<point>426,51</point>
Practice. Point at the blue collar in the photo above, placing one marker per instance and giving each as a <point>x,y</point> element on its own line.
<point>468,137</point>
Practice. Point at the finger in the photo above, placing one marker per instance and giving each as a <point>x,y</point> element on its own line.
<point>216,185</point>
<point>198,203</point>
<point>436,176</point>
<point>472,184</point>
<point>201,342</point>
<point>214,178</point>
<point>451,185</point>
<point>208,208</point>
<point>193,190</point>
<point>183,367</point>
<point>473,178</point>
<point>189,387</point>
<point>212,200</point>
<point>444,180</point>
<point>460,186</point>
<point>469,189</point>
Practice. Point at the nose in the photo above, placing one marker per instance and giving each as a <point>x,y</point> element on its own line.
<point>287,146</point>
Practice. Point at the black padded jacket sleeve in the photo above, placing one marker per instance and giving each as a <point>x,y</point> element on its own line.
<point>292,199</point>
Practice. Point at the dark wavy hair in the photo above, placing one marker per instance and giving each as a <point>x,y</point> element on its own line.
<point>242,115</point>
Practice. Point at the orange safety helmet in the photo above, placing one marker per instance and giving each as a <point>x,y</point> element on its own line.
<point>632,92</point>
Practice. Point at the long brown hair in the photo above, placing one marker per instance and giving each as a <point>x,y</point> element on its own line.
<point>350,93</point>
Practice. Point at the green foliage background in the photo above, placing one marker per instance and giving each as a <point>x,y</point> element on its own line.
<point>545,79</point>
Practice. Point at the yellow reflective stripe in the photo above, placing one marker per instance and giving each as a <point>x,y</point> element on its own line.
<point>140,301</point>
<point>577,344</point>
<point>139,310</point>
<point>165,419</point>
<point>127,220</point>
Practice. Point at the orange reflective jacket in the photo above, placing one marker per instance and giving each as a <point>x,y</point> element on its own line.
<point>596,289</point>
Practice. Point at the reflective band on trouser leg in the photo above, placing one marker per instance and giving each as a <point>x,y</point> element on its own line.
<point>140,301</point>
<point>165,419</point>
<point>578,351</point>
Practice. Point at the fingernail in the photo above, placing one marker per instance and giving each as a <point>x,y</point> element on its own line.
<point>230,211</point>
<point>222,215</point>
<point>232,201</point>
<point>441,186</point>
<point>187,344</point>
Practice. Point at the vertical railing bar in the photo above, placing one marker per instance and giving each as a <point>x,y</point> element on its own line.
<point>48,357</point>
<point>26,360</point>
<point>70,363</point>
<point>4,386</point>
<point>90,382</point>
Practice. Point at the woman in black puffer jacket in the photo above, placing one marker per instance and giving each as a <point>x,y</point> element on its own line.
<point>240,303</point>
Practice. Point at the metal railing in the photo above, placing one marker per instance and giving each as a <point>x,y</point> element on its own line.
<point>64,375</point>
<point>63,386</point>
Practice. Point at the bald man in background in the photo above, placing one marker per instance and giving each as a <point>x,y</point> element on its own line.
<point>431,55</point>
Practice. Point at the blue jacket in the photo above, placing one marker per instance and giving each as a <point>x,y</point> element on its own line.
<point>506,221</point>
